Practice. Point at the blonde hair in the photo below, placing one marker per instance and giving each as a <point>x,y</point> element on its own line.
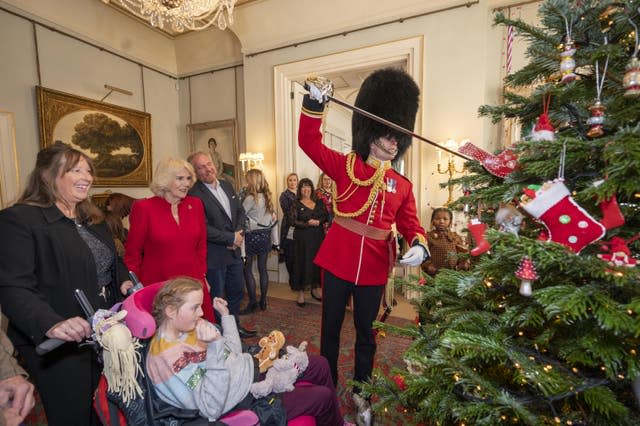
<point>166,172</point>
<point>289,175</point>
<point>319,185</point>
<point>173,294</point>
<point>257,184</point>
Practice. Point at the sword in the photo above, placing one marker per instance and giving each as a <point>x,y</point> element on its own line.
<point>394,126</point>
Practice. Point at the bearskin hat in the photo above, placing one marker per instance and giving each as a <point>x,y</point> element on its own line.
<point>391,94</point>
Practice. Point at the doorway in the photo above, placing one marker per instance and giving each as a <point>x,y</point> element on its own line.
<point>354,64</point>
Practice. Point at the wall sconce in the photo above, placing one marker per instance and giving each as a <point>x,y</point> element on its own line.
<point>250,160</point>
<point>450,168</point>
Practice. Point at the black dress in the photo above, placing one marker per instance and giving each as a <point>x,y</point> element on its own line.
<point>306,242</point>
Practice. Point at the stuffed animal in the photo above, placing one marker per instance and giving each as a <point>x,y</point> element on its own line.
<point>271,346</point>
<point>283,373</point>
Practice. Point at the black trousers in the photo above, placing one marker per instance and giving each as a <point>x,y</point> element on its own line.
<point>66,379</point>
<point>366,303</point>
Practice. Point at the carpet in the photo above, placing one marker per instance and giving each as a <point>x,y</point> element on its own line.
<point>300,324</point>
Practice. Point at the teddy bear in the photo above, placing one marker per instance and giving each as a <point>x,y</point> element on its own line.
<point>283,373</point>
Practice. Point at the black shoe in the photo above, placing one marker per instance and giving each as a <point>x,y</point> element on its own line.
<point>245,334</point>
<point>301,304</point>
<point>263,303</point>
<point>319,299</point>
<point>249,309</point>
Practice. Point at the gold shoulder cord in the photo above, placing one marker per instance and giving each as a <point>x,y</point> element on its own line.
<point>376,181</point>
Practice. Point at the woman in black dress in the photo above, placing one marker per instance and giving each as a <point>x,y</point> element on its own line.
<point>307,216</point>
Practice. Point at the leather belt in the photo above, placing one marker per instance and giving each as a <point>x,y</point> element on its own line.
<point>363,229</point>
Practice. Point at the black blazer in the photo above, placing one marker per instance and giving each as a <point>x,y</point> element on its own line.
<point>43,260</point>
<point>220,228</point>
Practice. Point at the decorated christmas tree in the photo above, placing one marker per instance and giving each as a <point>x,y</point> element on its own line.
<point>545,327</point>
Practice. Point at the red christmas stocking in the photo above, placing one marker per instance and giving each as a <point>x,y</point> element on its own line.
<point>611,215</point>
<point>477,230</point>
<point>567,223</point>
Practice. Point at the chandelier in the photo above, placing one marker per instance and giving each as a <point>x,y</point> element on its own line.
<point>181,15</point>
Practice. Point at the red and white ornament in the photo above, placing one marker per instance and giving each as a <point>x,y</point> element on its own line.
<point>618,253</point>
<point>543,130</point>
<point>500,165</point>
<point>527,274</point>
<point>477,230</point>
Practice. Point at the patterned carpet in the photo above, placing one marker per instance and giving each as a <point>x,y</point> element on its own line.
<point>300,324</point>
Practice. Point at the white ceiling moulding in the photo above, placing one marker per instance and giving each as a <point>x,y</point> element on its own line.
<point>178,16</point>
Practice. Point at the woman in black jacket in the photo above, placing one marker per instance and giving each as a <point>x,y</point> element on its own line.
<point>53,242</point>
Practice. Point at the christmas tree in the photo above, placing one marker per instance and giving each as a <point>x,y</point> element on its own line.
<point>544,329</point>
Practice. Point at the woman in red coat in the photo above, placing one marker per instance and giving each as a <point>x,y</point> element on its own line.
<point>167,236</point>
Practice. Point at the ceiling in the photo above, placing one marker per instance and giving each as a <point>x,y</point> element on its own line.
<point>346,82</point>
<point>167,31</point>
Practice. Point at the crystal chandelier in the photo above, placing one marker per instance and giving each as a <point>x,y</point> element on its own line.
<point>181,15</point>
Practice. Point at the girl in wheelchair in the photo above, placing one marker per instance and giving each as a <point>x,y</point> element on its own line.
<point>194,366</point>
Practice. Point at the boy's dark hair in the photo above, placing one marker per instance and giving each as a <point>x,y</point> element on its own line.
<point>441,209</point>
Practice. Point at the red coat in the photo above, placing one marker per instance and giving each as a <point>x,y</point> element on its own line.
<point>158,249</point>
<point>347,255</point>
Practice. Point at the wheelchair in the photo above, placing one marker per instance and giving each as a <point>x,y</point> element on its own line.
<point>150,409</point>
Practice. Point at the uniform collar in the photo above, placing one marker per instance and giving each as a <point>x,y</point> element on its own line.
<point>375,163</point>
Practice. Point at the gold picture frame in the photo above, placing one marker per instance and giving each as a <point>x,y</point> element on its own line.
<point>225,134</point>
<point>118,139</point>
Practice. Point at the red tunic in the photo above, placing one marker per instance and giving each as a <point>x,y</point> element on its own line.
<point>158,249</point>
<point>347,255</point>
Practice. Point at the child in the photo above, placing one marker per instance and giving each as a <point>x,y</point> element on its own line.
<point>193,366</point>
<point>444,244</point>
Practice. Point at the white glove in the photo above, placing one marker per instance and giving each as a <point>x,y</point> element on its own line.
<point>319,88</point>
<point>414,256</point>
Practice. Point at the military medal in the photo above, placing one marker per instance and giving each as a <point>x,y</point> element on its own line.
<point>391,185</point>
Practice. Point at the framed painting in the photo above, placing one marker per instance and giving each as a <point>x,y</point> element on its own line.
<point>218,138</point>
<point>118,139</point>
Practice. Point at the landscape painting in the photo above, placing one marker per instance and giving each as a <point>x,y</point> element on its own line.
<point>117,139</point>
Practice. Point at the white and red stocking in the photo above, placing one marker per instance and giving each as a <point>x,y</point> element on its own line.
<point>567,223</point>
<point>500,165</point>
<point>611,215</point>
<point>477,230</point>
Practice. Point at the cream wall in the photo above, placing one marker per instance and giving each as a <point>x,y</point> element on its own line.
<point>71,66</point>
<point>103,25</point>
<point>461,71</point>
<point>455,77</point>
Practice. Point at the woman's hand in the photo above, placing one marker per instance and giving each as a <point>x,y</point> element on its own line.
<point>74,329</point>
<point>313,222</point>
<point>220,305</point>
<point>206,331</point>
<point>125,286</point>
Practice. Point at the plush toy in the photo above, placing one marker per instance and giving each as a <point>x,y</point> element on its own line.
<point>120,353</point>
<point>284,372</point>
<point>271,346</point>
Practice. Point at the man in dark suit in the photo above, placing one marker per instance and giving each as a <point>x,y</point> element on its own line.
<point>225,234</point>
